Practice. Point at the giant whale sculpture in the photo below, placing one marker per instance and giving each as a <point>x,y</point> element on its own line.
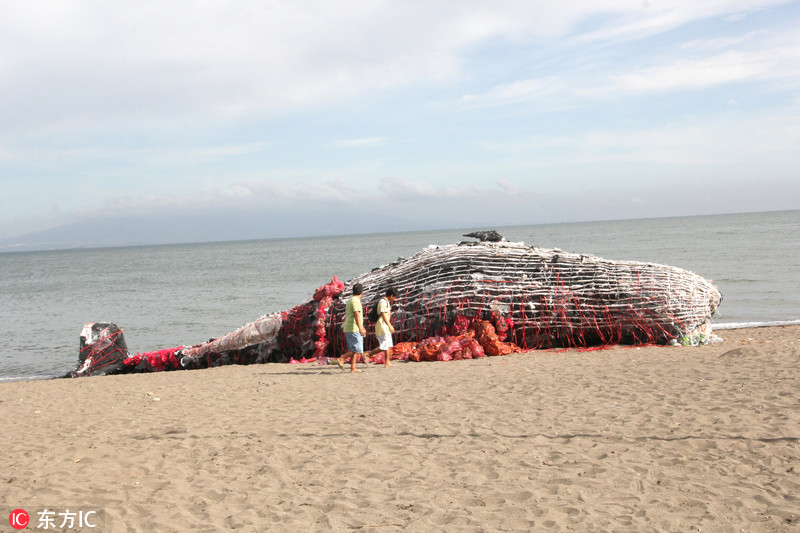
<point>535,297</point>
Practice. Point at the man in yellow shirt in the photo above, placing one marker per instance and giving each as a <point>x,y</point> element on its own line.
<point>353,328</point>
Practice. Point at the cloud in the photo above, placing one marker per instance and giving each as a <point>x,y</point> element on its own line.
<point>549,89</point>
<point>721,43</point>
<point>228,150</point>
<point>300,197</point>
<point>226,58</point>
<point>509,187</point>
<point>627,23</point>
<point>245,196</point>
<point>701,73</point>
<point>691,66</point>
<point>725,141</point>
<point>360,143</point>
<point>236,191</point>
<point>234,59</point>
<point>407,190</point>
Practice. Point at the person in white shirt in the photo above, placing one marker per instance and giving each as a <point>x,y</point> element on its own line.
<point>383,327</point>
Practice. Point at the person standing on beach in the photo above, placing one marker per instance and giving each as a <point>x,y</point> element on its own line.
<point>383,327</point>
<point>353,327</point>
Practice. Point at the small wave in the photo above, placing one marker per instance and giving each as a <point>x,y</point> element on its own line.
<point>5,379</point>
<point>739,325</point>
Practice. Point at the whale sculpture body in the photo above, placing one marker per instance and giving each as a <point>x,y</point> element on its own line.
<point>542,298</point>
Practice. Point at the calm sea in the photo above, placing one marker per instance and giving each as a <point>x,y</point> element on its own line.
<point>165,296</point>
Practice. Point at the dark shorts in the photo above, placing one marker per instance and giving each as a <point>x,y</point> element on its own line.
<point>355,342</point>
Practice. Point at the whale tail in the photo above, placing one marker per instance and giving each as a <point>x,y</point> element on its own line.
<point>103,350</point>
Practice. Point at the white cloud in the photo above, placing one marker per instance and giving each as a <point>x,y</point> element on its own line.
<point>237,58</point>
<point>629,23</point>
<point>721,43</point>
<point>508,187</point>
<point>409,190</point>
<point>549,89</point>
<point>237,191</point>
<point>360,143</point>
<point>669,73</point>
<point>700,73</point>
<point>725,141</point>
<point>228,150</point>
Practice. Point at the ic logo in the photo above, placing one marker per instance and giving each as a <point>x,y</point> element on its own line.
<point>18,519</point>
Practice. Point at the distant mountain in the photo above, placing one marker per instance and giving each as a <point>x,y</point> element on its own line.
<point>207,227</point>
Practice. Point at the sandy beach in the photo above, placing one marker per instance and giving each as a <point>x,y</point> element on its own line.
<point>624,439</point>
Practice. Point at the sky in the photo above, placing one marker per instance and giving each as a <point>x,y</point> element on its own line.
<point>332,117</point>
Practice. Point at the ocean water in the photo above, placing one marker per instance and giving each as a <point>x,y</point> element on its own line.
<point>166,296</point>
